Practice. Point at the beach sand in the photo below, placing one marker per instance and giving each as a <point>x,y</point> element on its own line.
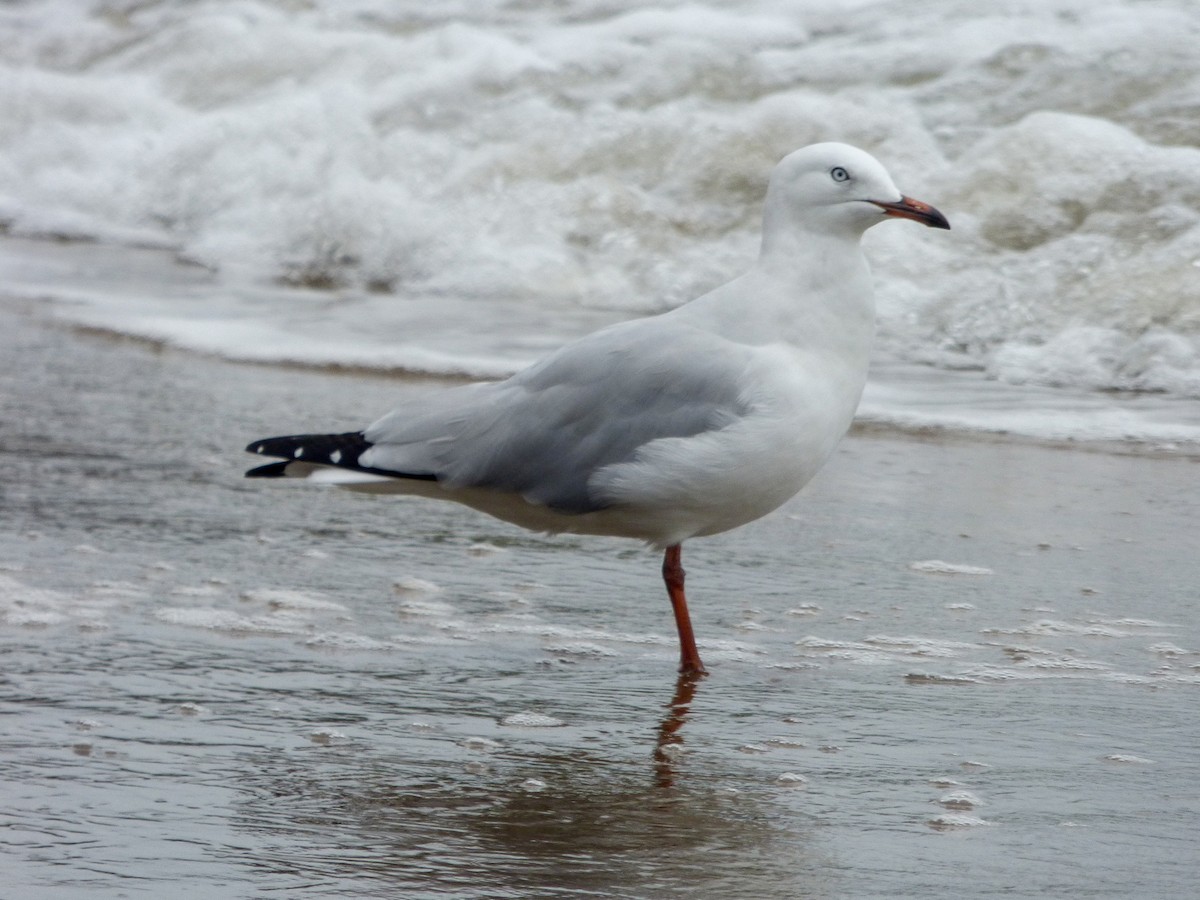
<point>951,667</point>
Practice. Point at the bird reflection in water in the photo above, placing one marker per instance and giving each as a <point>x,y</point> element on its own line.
<point>670,740</point>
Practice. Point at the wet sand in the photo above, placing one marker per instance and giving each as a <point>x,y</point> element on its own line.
<point>225,688</point>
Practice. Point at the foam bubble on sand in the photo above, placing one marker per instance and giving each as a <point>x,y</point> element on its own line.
<point>31,616</point>
<point>939,567</point>
<point>298,601</point>
<point>425,609</point>
<point>1127,759</point>
<point>508,598</point>
<point>120,590</point>
<point>1031,664</point>
<point>956,821</point>
<point>936,678</point>
<point>785,743</point>
<point>531,720</point>
<point>480,744</point>
<point>548,630</point>
<point>1133,623</point>
<point>226,620</point>
<point>883,649</point>
<point>325,736</point>
<point>483,548</point>
<point>581,649</point>
<point>1170,651</point>
<point>793,666</point>
<point>25,606</point>
<point>960,799</point>
<point>203,590</point>
<point>917,646</point>
<point>1059,665</point>
<point>1100,627</point>
<point>409,585</point>
<point>850,651</point>
<point>351,642</point>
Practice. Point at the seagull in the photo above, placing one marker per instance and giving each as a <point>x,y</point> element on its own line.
<point>678,425</point>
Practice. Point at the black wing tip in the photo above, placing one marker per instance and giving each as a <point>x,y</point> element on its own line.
<point>339,450</point>
<point>330,449</point>
<point>271,470</point>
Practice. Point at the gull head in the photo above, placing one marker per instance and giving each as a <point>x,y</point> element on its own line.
<point>838,189</point>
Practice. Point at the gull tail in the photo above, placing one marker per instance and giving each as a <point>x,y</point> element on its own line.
<point>332,458</point>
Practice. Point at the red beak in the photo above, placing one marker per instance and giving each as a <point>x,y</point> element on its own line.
<point>908,208</point>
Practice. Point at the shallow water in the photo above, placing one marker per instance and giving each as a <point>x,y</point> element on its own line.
<point>215,687</point>
<point>150,295</point>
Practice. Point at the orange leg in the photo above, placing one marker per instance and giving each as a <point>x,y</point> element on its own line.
<point>689,656</point>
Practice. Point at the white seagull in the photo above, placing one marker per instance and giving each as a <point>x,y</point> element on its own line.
<point>665,428</point>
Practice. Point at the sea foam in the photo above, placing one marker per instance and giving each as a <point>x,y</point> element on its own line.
<point>341,163</point>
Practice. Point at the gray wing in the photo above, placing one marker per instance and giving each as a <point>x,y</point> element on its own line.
<point>544,432</point>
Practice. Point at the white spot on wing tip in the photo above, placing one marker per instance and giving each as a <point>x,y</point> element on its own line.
<point>299,452</point>
<point>260,449</point>
<point>335,457</point>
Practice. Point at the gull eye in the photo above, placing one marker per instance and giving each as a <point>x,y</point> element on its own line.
<point>837,173</point>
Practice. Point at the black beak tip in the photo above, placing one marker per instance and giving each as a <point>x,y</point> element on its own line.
<point>917,210</point>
